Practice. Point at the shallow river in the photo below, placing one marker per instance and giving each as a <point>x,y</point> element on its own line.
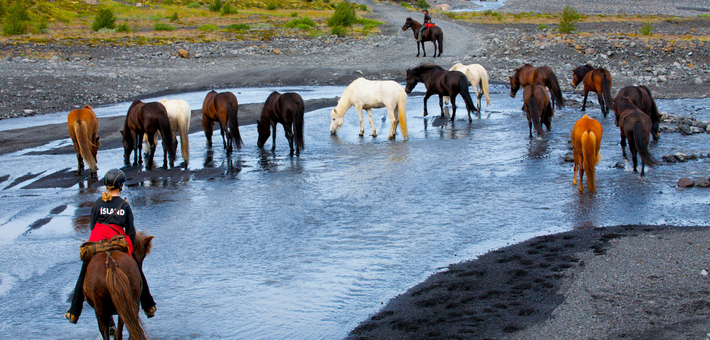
<point>308,247</point>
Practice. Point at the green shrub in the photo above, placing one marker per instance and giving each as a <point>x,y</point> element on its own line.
<point>363,7</point>
<point>161,26</point>
<point>2,9</point>
<point>16,19</point>
<point>123,28</point>
<point>42,24</point>
<point>542,27</point>
<point>105,18</point>
<point>405,5</point>
<point>339,31</point>
<point>208,28</point>
<point>237,27</point>
<point>300,23</point>
<point>422,4</point>
<point>567,20</point>
<point>343,16</point>
<point>487,12</point>
<point>271,6</point>
<point>193,4</point>
<point>227,9</point>
<point>646,29</point>
<point>497,15</point>
<point>174,17</point>
<point>215,6</point>
<point>294,14</point>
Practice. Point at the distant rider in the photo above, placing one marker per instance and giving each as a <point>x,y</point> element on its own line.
<point>427,20</point>
<point>111,215</point>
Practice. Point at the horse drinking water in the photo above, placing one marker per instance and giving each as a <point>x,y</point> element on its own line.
<point>595,80</point>
<point>83,129</point>
<point>537,108</point>
<point>442,82</point>
<point>476,75</point>
<point>223,108</point>
<point>179,114</point>
<point>147,118</point>
<point>287,109</point>
<point>586,142</point>
<point>642,98</point>
<point>635,126</point>
<point>433,34</point>
<point>368,95</point>
<point>529,75</point>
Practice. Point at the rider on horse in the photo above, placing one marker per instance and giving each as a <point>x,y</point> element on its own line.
<point>110,216</point>
<point>425,25</point>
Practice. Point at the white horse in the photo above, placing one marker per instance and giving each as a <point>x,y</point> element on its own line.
<point>476,75</point>
<point>372,94</point>
<point>179,115</point>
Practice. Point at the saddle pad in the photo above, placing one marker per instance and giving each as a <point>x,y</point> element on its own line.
<point>90,249</point>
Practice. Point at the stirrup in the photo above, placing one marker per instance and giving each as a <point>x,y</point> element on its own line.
<point>150,312</point>
<point>71,317</point>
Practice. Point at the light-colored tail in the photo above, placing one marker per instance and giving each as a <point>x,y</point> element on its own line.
<point>81,130</point>
<point>184,139</point>
<point>126,305</point>
<point>484,85</point>
<point>402,110</point>
<point>591,158</point>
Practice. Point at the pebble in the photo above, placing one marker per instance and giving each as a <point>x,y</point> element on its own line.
<point>685,182</point>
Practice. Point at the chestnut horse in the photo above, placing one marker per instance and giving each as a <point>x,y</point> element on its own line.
<point>586,142</point>
<point>537,108</point>
<point>642,98</point>
<point>595,80</point>
<point>287,109</point>
<point>147,118</point>
<point>222,108</point>
<point>83,129</point>
<point>113,285</point>
<point>635,126</point>
<point>442,82</point>
<point>529,75</point>
<point>433,34</point>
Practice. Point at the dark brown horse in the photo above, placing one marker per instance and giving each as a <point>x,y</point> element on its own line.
<point>442,82</point>
<point>537,107</point>
<point>529,75</point>
<point>287,109</point>
<point>595,80</point>
<point>635,126</point>
<point>113,286</point>
<point>433,34</point>
<point>642,98</point>
<point>83,130</point>
<point>222,108</point>
<point>147,118</point>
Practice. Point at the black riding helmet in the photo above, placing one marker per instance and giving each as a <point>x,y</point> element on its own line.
<point>114,179</point>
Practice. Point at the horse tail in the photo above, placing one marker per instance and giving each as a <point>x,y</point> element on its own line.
<point>534,113</point>
<point>554,86</point>
<point>402,112</point>
<point>126,305</point>
<point>298,113</point>
<point>463,85</point>
<point>484,86</point>
<point>591,158</point>
<point>606,89</point>
<point>166,134</point>
<point>441,43</point>
<point>655,115</point>
<point>642,145</point>
<point>184,127</point>
<point>81,131</point>
<point>232,112</point>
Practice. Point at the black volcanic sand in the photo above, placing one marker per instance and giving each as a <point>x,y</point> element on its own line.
<point>505,292</point>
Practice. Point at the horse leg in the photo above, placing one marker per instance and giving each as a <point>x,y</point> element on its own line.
<point>530,124</point>
<point>423,49</point>
<point>119,329</point>
<point>441,104</point>
<point>584,103</point>
<point>103,320</point>
<point>581,177</point>
<point>623,146</point>
<point>632,147</point>
<point>138,149</point>
<point>369,116</point>
<point>426,97</point>
<point>452,98</point>
<point>362,123</point>
<point>418,49</point>
<point>289,136</point>
<point>151,152</point>
<point>394,120</point>
<point>207,126</point>
<point>273,136</point>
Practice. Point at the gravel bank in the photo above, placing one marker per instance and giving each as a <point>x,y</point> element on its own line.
<point>685,8</point>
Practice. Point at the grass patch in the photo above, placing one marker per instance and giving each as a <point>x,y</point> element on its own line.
<point>238,27</point>
<point>208,28</point>
<point>123,28</point>
<point>422,4</point>
<point>216,6</point>
<point>338,30</point>
<point>193,4</point>
<point>542,27</point>
<point>646,29</point>
<point>174,17</point>
<point>161,26</point>
<point>303,23</point>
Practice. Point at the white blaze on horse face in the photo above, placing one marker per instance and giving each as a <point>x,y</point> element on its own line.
<point>336,122</point>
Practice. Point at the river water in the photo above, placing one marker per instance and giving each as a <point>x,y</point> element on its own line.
<point>307,247</point>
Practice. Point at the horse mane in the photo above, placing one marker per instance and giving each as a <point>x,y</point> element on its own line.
<point>143,245</point>
<point>581,71</point>
<point>427,67</point>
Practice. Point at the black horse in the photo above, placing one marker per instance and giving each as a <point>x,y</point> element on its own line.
<point>433,34</point>
<point>147,118</point>
<point>287,109</point>
<point>442,82</point>
<point>641,97</point>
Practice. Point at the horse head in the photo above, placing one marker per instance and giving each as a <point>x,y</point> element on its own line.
<point>578,74</point>
<point>143,246</point>
<point>264,132</point>
<point>127,147</point>
<point>412,81</point>
<point>336,121</point>
<point>407,24</point>
<point>515,82</point>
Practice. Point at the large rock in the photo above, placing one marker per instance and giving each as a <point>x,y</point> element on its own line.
<point>702,183</point>
<point>184,53</point>
<point>685,182</point>
<point>670,159</point>
<point>443,7</point>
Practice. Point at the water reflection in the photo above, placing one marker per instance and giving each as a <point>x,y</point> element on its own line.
<point>538,147</point>
<point>267,160</point>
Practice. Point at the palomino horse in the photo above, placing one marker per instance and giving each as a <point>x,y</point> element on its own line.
<point>113,285</point>
<point>642,98</point>
<point>537,108</point>
<point>586,141</point>
<point>442,82</point>
<point>179,115</point>
<point>287,109</point>
<point>83,128</point>
<point>635,126</point>
<point>223,108</point>
<point>476,76</point>
<point>146,118</point>
<point>433,34</point>
<point>368,95</point>
<point>529,75</point>
<point>595,80</point>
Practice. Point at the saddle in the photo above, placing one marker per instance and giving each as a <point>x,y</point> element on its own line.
<point>428,24</point>
<point>90,249</point>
